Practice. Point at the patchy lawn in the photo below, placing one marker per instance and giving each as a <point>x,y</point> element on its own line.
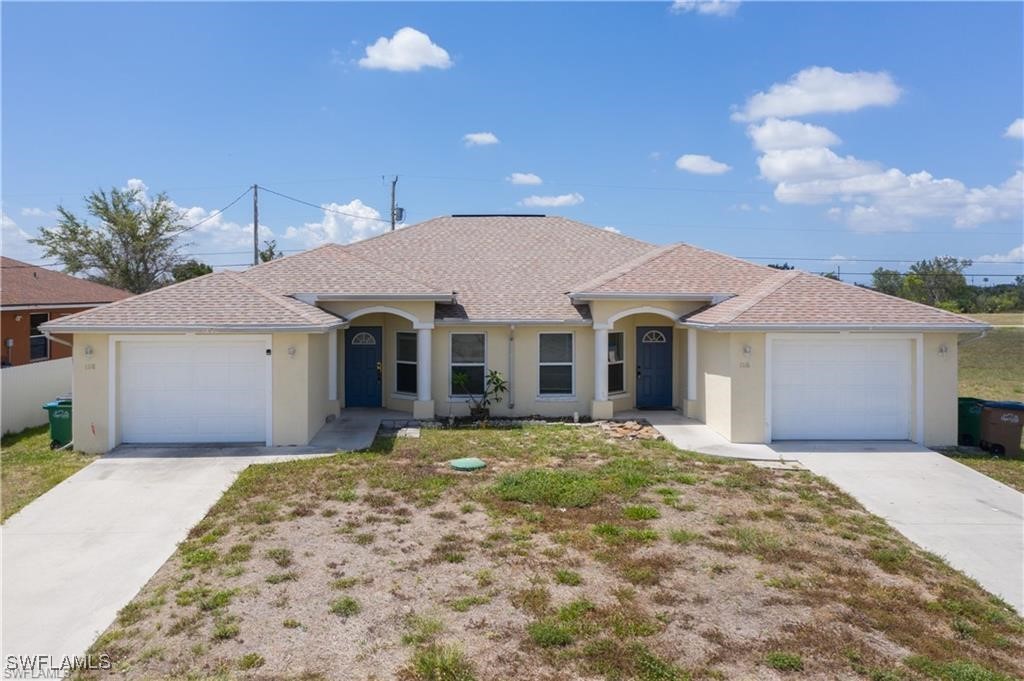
<point>993,369</point>
<point>569,557</point>
<point>1001,318</point>
<point>28,467</point>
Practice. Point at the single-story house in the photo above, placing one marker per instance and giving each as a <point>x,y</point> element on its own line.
<point>30,296</point>
<point>578,320</point>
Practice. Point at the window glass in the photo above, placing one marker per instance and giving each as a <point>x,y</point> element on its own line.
<point>616,353</point>
<point>555,370</point>
<point>616,359</point>
<point>467,358</point>
<point>405,363</point>
<point>555,347</point>
<point>406,347</point>
<point>616,378</point>
<point>38,344</point>
<point>475,385</point>
<point>556,379</point>
<point>468,348</point>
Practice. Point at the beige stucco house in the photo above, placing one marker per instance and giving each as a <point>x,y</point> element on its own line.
<point>577,319</point>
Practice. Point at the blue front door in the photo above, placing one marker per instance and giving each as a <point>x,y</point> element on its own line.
<point>654,367</point>
<point>363,366</point>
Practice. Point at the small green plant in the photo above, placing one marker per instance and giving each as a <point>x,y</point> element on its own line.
<point>549,633</point>
<point>365,538</point>
<point>198,557</point>
<point>568,577</point>
<point>641,512</point>
<point>441,663</point>
<point>557,488</point>
<point>251,661</point>
<point>494,389</point>
<point>239,553</point>
<point>683,536</point>
<point>345,606</point>
<point>343,583</point>
<point>420,629</point>
<point>283,557</point>
<point>225,628</point>
<point>484,577</point>
<point>466,602</point>
<point>291,624</point>
<point>783,661</point>
<point>280,577</point>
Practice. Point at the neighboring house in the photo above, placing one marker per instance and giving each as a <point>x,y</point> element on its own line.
<point>578,319</point>
<point>30,296</point>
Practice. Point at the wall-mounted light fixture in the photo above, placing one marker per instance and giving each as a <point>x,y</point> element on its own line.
<point>88,351</point>
<point>943,349</point>
<point>17,317</point>
<point>747,349</point>
<point>291,351</point>
<point>9,342</point>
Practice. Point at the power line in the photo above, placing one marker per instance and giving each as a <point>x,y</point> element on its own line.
<point>324,208</point>
<point>840,261</point>
<point>216,213</point>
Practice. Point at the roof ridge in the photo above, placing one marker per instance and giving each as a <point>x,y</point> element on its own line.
<point>625,268</point>
<point>286,257</point>
<point>771,285</point>
<point>287,302</point>
<point>376,264</point>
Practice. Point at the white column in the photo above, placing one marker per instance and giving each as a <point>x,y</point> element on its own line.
<point>691,364</point>
<point>600,365</point>
<point>423,362</point>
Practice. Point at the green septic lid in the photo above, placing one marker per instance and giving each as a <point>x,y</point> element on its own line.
<point>469,464</point>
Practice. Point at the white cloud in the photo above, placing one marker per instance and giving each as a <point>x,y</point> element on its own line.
<point>775,134</point>
<point>1015,130</point>
<point>38,213</point>
<point>480,139</point>
<point>1014,255</point>
<point>742,207</point>
<point>717,8</point>
<point>553,201</point>
<point>840,257</point>
<point>821,89</point>
<point>407,50</point>
<point>359,222</point>
<point>812,163</point>
<point>524,178</point>
<point>613,230</point>
<point>701,165</point>
<point>14,241</point>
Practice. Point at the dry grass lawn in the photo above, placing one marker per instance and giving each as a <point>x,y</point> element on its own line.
<point>570,556</point>
<point>29,468</point>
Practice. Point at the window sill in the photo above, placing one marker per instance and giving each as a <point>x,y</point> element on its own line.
<point>404,396</point>
<point>556,398</point>
<point>618,396</point>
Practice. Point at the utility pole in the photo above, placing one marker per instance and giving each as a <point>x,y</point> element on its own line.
<point>255,224</point>
<point>393,208</point>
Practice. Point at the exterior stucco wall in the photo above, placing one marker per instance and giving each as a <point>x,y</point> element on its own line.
<point>941,388</point>
<point>16,325</point>
<point>714,383</point>
<point>320,406</point>
<point>89,422</point>
<point>352,310</point>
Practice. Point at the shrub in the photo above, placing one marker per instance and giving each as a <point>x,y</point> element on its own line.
<point>345,607</point>
<point>641,512</point>
<point>441,663</point>
<point>568,577</point>
<point>786,662</point>
<point>250,661</point>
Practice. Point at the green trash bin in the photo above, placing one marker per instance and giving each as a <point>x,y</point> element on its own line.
<point>60,422</point>
<point>969,421</point>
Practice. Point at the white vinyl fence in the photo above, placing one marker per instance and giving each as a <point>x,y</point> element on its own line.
<point>24,389</point>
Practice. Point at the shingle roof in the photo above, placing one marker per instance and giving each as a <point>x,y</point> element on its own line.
<point>25,284</point>
<point>221,301</point>
<point>333,269</point>
<point>679,269</point>
<point>503,267</point>
<point>794,298</point>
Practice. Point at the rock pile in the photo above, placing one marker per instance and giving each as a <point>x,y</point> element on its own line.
<point>629,430</point>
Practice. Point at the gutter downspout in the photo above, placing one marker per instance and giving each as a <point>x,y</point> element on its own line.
<point>511,365</point>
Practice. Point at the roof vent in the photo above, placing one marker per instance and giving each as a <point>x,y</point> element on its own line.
<point>498,215</point>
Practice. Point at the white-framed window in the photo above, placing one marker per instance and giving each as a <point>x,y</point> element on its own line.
<point>38,344</point>
<point>556,371</point>
<point>467,356</point>
<point>364,338</point>
<point>654,336</point>
<point>405,362</point>
<point>616,362</point>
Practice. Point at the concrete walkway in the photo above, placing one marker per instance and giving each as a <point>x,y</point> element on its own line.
<point>972,521</point>
<point>79,553</point>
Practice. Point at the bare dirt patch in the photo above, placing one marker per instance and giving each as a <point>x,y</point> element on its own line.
<point>574,555</point>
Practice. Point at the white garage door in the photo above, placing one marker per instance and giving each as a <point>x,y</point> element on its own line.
<point>192,391</point>
<point>839,389</point>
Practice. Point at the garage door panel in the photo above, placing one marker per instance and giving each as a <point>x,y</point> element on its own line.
<point>840,389</point>
<point>192,391</point>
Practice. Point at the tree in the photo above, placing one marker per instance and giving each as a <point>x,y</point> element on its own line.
<point>133,247</point>
<point>190,269</point>
<point>269,251</point>
<point>831,275</point>
<point>783,266</point>
<point>939,280</point>
<point>887,281</point>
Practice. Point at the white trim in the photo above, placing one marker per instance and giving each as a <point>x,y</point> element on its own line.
<point>57,326</point>
<point>385,309</point>
<point>917,339</point>
<point>601,364</point>
<point>424,362</point>
<point>332,365</point>
<point>112,365</point>
<point>41,334</point>
<point>825,328</point>
<point>415,363</point>
<point>691,364</point>
<point>571,363</point>
<point>665,295</point>
<point>511,322</point>
<point>643,309</point>
<point>448,389</point>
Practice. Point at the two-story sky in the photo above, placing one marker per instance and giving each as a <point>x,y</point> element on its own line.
<point>828,135</point>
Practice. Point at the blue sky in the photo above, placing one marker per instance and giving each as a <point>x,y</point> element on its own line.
<point>866,131</point>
